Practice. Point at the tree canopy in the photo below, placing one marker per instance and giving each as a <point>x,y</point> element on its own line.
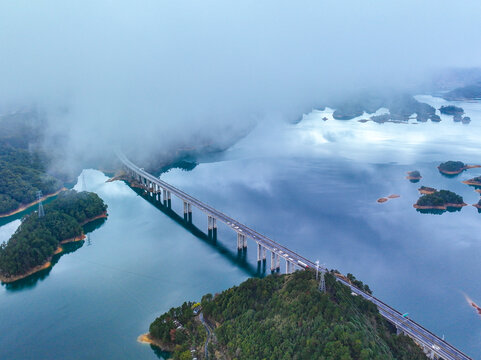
<point>36,238</point>
<point>287,317</point>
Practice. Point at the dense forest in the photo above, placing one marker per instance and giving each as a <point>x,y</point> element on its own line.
<point>22,166</point>
<point>440,198</point>
<point>452,166</point>
<point>285,317</point>
<point>36,239</point>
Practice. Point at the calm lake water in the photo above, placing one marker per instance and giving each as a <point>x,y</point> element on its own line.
<point>311,186</point>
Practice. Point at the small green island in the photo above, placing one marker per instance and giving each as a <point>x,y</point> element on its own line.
<point>37,239</point>
<point>427,190</point>
<point>476,181</point>
<point>414,176</point>
<point>440,200</point>
<point>451,110</point>
<point>454,167</point>
<point>281,317</point>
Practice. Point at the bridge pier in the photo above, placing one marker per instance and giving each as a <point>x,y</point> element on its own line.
<point>164,196</point>
<point>241,241</point>
<point>187,211</point>
<point>211,227</point>
<point>169,200</point>
<point>261,252</point>
<point>288,267</point>
<point>186,216</point>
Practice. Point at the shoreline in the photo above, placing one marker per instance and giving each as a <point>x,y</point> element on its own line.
<point>74,239</point>
<point>104,215</point>
<point>26,206</point>
<point>444,207</point>
<point>472,183</point>
<point>427,191</point>
<point>147,339</point>
<point>36,269</point>
<point>58,250</point>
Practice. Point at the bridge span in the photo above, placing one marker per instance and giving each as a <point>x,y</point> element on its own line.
<point>433,346</point>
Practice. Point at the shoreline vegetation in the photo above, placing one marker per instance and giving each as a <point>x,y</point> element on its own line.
<point>148,339</point>
<point>255,321</point>
<point>24,207</point>
<point>38,239</point>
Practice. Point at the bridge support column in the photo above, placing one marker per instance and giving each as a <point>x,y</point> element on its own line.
<point>273,262</point>
<point>241,241</point>
<point>210,226</point>
<point>214,228</point>
<point>259,250</point>
<point>169,200</point>
<point>164,196</point>
<point>189,213</point>
<point>186,217</point>
<point>288,267</point>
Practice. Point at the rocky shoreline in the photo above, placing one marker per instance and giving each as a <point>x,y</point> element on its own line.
<point>443,207</point>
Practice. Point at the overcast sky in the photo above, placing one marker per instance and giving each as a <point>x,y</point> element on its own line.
<point>155,72</point>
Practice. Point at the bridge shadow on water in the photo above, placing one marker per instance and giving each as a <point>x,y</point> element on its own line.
<point>238,258</point>
<point>32,280</point>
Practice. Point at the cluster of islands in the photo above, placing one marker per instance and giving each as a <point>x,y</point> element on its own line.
<point>445,200</point>
<point>401,108</point>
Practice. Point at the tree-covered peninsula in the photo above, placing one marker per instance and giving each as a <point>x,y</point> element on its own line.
<point>32,246</point>
<point>22,165</point>
<point>283,317</point>
<point>440,200</point>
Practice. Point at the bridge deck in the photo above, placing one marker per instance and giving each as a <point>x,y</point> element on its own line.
<point>421,335</point>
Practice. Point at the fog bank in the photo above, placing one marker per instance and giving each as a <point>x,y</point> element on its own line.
<point>154,75</point>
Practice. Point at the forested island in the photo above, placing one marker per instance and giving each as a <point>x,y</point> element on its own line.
<point>476,181</point>
<point>440,200</point>
<point>451,110</point>
<point>454,167</point>
<point>37,239</point>
<point>22,165</point>
<point>414,176</point>
<point>282,317</point>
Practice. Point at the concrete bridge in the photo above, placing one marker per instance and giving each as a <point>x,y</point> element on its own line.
<point>433,346</point>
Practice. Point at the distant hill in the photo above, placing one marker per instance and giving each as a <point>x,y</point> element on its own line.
<point>470,92</point>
